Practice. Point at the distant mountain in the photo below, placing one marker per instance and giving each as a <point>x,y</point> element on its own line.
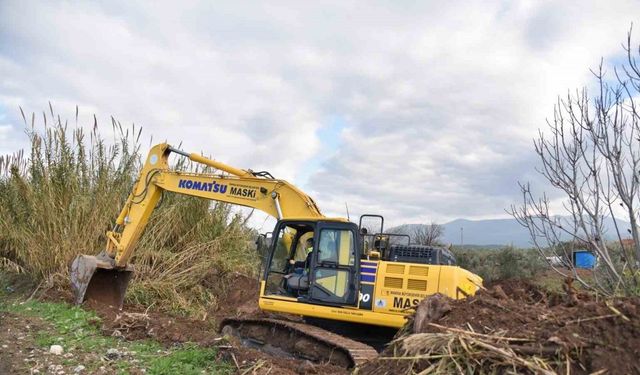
<point>494,233</point>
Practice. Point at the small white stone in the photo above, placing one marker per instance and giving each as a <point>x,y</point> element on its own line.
<point>5,346</point>
<point>78,369</point>
<point>56,349</point>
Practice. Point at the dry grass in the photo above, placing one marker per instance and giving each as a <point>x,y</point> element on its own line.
<point>59,198</point>
<point>457,351</point>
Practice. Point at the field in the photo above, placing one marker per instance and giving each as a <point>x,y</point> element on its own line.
<point>514,326</point>
<point>196,264</point>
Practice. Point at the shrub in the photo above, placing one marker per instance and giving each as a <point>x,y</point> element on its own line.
<point>506,263</point>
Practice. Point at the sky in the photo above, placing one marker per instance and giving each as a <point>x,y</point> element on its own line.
<point>419,111</point>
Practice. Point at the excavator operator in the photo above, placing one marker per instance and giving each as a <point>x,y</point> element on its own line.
<point>299,279</point>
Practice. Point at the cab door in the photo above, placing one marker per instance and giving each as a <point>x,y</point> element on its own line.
<point>334,276</point>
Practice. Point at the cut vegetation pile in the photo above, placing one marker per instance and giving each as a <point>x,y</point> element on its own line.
<point>59,198</point>
<point>516,327</point>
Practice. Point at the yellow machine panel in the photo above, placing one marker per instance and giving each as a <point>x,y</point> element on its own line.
<point>397,287</point>
<point>400,286</point>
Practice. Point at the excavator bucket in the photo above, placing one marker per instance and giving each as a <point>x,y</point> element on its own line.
<point>95,279</point>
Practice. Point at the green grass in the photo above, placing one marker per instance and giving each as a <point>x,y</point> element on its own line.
<point>77,330</point>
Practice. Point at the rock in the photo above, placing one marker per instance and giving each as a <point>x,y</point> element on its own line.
<point>430,309</point>
<point>112,354</point>
<point>55,368</point>
<point>305,346</point>
<point>307,367</point>
<point>56,349</point>
<point>78,369</point>
<point>499,293</point>
<point>5,346</point>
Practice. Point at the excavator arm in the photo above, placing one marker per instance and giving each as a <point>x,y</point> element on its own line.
<point>105,277</point>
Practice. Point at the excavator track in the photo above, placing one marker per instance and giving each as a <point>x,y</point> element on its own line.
<point>300,340</point>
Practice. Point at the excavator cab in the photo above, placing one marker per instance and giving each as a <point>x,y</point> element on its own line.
<point>325,274</point>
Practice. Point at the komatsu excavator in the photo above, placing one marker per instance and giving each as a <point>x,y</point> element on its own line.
<point>327,269</point>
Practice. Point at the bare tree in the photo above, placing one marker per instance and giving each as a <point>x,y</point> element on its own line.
<point>591,153</point>
<point>428,234</point>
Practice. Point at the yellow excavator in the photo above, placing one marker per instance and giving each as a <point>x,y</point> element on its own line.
<point>316,267</point>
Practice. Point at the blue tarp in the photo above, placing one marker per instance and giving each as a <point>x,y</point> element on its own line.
<point>584,259</point>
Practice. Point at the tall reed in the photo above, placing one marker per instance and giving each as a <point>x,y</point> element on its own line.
<point>59,197</point>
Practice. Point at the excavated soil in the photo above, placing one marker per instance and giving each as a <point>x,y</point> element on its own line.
<point>589,334</point>
<point>238,294</point>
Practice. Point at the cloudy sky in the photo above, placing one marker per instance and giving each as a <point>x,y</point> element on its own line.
<point>421,111</point>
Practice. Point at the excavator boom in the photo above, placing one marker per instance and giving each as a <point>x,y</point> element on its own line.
<point>104,278</point>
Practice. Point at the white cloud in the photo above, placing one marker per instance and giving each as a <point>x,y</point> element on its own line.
<point>5,129</point>
<point>440,100</point>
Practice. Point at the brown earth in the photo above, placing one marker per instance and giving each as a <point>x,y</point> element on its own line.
<point>573,329</point>
<point>587,333</point>
<point>237,296</point>
<point>21,353</point>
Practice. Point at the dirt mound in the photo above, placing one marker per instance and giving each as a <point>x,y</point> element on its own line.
<point>136,323</point>
<point>516,325</point>
<point>237,294</point>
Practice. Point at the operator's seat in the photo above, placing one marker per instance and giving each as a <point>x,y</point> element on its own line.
<point>298,281</point>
